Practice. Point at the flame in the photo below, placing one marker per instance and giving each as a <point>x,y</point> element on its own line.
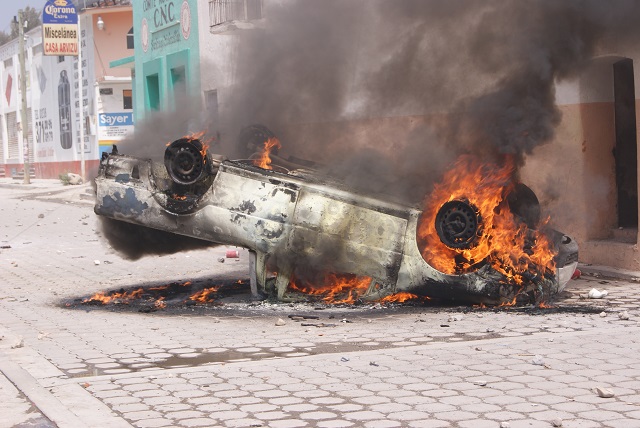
<point>505,243</point>
<point>125,296</point>
<point>264,161</point>
<point>128,296</point>
<point>545,305</point>
<point>205,295</point>
<point>402,297</point>
<point>335,289</point>
<point>179,197</point>
<point>198,136</point>
<point>205,143</point>
<point>510,303</point>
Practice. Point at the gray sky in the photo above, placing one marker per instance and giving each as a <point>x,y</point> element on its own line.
<point>9,8</point>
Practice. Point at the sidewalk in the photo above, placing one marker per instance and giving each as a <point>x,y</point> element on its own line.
<point>51,190</point>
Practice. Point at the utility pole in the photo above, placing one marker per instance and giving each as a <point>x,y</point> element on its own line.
<point>83,170</point>
<point>23,94</point>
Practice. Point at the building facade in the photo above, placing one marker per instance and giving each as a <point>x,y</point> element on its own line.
<point>587,177</point>
<point>60,99</point>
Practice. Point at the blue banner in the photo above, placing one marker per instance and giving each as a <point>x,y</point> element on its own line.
<point>59,12</point>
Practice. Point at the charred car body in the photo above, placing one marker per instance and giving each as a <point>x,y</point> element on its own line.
<point>292,220</point>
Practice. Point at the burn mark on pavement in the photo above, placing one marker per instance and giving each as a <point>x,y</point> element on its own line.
<point>232,301</point>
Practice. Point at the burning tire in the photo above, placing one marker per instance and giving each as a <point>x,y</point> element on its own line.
<point>458,224</point>
<point>478,216</point>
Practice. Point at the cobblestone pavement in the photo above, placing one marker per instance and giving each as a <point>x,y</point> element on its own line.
<point>234,364</point>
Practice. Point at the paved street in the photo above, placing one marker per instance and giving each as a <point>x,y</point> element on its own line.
<point>235,364</point>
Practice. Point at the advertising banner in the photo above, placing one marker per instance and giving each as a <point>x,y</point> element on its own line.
<point>114,127</point>
<point>53,109</point>
<point>60,28</point>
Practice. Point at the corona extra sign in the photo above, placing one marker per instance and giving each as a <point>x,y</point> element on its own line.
<point>60,28</point>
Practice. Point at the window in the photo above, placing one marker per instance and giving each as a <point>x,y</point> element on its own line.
<point>61,58</point>
<point>127,99</point>
<point>8,62</point>
<point>130,39</point>
<point>221,11</point>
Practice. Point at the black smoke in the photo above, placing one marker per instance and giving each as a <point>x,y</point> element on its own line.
<point>331,78</point>
<point>489,66</point>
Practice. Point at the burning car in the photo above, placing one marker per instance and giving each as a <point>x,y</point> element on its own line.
<point>484,246</point>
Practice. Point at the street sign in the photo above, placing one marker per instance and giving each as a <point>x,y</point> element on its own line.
<point>60,28</point>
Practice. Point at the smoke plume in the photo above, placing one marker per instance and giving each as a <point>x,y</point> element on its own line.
<point>318,72</point>
<point>387,93</point>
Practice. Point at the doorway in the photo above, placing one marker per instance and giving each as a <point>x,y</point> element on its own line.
<point>625,151</point>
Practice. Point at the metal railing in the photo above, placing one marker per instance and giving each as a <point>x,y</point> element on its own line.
<point>221,11</point>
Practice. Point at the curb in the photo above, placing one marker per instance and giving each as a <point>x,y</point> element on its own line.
<point>609,272</point>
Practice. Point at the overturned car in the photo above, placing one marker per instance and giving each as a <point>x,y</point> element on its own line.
<point>297,222</point>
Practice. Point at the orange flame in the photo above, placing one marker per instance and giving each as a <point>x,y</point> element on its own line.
<point>264,161</point>
<point>128,296</point>
<point>402,297</point>
<point>160,303</point>
<point>198,136</point>
<point>205,144</point>
<point>505,243</point>
<point>335,289</point>
<point>510,303</point>
<point>205,295</point>
<point>125,296</point>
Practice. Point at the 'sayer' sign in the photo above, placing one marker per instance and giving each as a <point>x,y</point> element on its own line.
<point>114,126</point>
<point>115,119</point>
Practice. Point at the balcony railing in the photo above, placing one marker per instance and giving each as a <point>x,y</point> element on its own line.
<point>221,11</point>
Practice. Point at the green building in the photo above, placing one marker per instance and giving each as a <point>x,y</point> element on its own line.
<point>166,53</point>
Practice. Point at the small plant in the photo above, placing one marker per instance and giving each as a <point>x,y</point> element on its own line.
<point>64,178</point>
